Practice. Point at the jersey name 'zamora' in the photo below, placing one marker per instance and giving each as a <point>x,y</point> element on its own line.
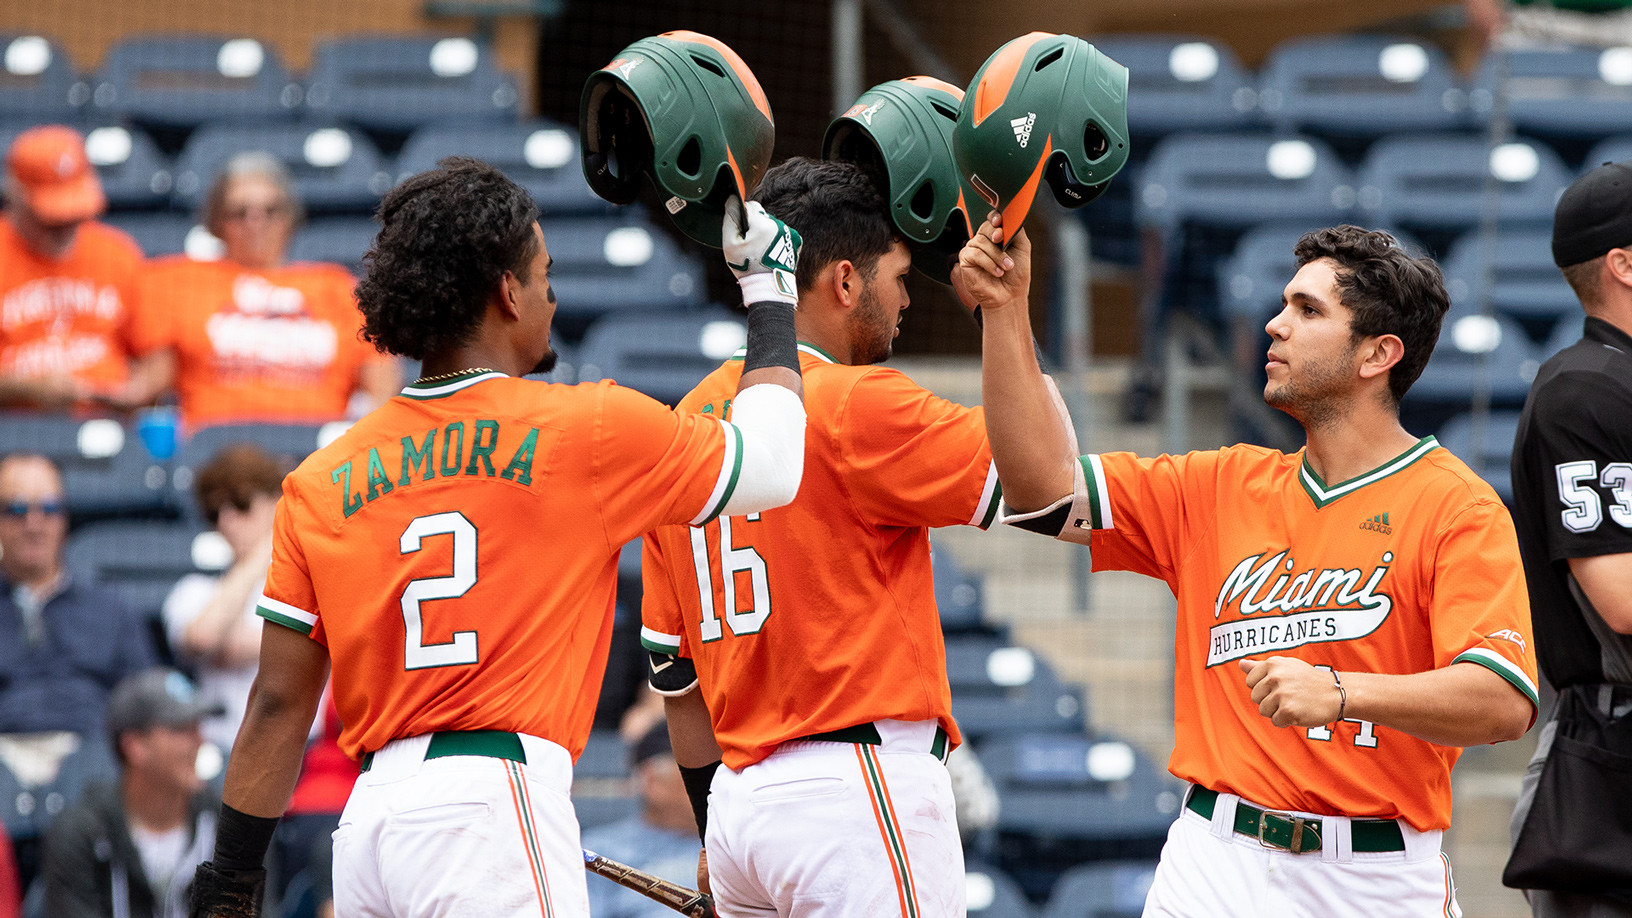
<point>438,452</point>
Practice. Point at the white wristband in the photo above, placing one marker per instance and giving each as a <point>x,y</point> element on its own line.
<point>771,287</point>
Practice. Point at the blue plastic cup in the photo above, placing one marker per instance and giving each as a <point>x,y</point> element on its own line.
<point>157,428</point>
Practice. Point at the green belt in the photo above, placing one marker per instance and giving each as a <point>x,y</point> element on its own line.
<point>495,744</point>
<point>1299,834</point>
<point>867,734</point>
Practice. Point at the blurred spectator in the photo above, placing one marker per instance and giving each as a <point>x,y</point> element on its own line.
<point>211,619</point>
<point>1528,23</point>
<point>661,839</point>
<point>256,338</point>
<point>128,850</point>
<point>67,285</point>
<point>64,644</point>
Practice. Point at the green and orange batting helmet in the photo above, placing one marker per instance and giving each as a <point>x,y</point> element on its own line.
<point>902,130</point>
<point>683,109</point>
<point>1043,107</point>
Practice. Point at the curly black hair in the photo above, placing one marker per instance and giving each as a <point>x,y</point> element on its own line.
<point>447,238</point>
<point>838,210</point>
<point>1388,290</point>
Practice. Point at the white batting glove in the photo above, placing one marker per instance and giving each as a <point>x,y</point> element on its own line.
<point>763,255</point>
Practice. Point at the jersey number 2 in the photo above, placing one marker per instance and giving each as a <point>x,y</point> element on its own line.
<point>460,651</point>
<point>733,561</point>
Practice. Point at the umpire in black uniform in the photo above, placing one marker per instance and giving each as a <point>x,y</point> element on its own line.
<point>1572,490</point>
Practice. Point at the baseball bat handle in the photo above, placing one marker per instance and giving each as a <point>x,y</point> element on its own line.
<point>688,902</point>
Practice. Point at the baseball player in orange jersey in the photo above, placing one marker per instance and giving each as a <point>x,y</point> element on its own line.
<point>454,556</point>
<point>1349,616</point>
<point>812,628</point>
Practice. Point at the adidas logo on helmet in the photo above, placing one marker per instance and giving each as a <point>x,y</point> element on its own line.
<point>1022,128</point>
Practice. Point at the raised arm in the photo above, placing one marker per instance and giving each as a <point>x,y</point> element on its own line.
<point>1032,441</point>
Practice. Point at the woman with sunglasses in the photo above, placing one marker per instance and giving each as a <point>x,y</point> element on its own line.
<point>257,337</point>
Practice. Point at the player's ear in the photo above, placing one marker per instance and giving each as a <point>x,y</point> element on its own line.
<point>846,283</point>
<point>509,295</point>
<point>1379,354</point>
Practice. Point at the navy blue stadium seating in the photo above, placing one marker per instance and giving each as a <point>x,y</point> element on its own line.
<point>399,83</point>
<point>1523,282</point>
<point>1105,889</point>
<point>1435,183</point>
<point>289,443</point>
<point>1180,83</point>
<point>1475,354</point>
<point>1001,688</point>
<point>958,595</point>
<point>1490,453</point>
<point>540,156</point>
<point>135,173</point>
<point>38,81</point>
<point>106,471</point>
<point>1566,332</point>
<point>1359,87</point>
<point>1559,92</point>
<point>991,893</point>
<point>1617,149</point>
<point>1067,799</point>
<point>605,755</point>
<point>335,170</point>
<point>1200,192</point>
<point>143,559</point>
<point>608,265</point>
<point>661,354</point>
<point>342,240</point>
<point>157,233</point>
<point>182,81</point>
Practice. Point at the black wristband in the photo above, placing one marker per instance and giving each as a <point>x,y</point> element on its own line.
<point>241,840</point>
<point>697,782</point>
<point>772,341</point>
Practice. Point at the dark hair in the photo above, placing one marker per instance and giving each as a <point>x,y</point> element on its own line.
<point>1388,290</point>
<point>447,238</point>
<point>1583,278</point>
<point>236,475</point>
<point>837,209</point>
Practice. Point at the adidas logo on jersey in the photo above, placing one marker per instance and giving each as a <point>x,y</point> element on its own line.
<point>1378,523</point>
<point>1022,128</point>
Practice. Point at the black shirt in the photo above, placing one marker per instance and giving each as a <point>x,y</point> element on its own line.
<point>1572,494</point>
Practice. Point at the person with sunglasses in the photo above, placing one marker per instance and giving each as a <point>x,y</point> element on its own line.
<point>64,643</point>
<point>255,336</point>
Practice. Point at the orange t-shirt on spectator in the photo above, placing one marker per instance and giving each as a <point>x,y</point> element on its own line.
<point>278,345</point>
<point>71,316</point>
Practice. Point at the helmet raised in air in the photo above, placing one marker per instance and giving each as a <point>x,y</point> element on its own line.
<point>683,109</point>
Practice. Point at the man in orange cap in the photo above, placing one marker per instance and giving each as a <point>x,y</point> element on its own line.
<point>67,285</point>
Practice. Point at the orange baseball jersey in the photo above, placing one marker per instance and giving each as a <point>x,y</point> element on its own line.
<point>456,550</point>
<point>71,316</point>
<point>1411,567</point>
<point>278,345</point>
<point>821,615</point>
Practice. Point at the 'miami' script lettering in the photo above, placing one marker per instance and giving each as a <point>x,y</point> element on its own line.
<point>1279,607</point>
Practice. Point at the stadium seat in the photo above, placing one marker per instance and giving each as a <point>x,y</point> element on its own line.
<point>1435,183</point>
<point>335,170</point>
<point>1180,83</point>
<point>1103,889</point>
<point>399,83</point>
<point>1524,284</point>
<point>144,559</point>
<point>1475,354</point>
<point>540,156</point>
<point>605,755</point>
<point>135,174</point>
<point>661,354</point>
<point>38,81</point>
<point>991,893</point>
<point>1359,87</point>
<point>601,808</point>
<point>1567,332</point>
<point>1001,688</point>
<point>958,595</point>
<point>289,443</point>
<point>1068,799</point>
<point>342,240</point>
<point>183,81</point>
<point>1617,149</point>
<point>1491,453</point>
<point>607,265</point>
<point>1200,192</point>
<point>105,469</point>
<point>1559,92</point>
<point>166,233</point>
